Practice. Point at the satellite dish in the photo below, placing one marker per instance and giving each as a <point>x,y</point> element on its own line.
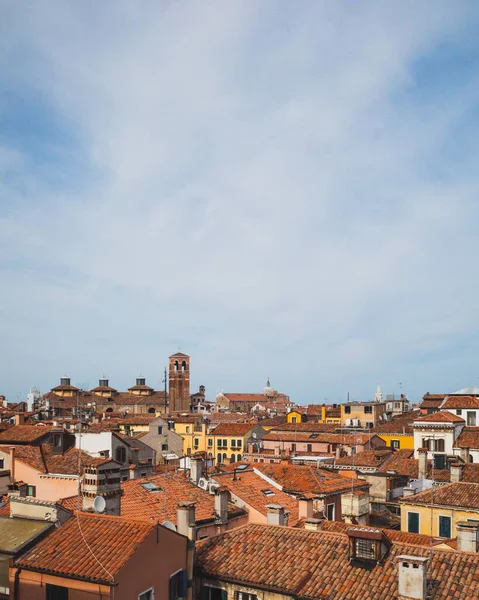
<point>99,504</point>
<point>255,435</point>
<point>169,525</point>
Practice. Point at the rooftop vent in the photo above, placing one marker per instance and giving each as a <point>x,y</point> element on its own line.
<point>151,487</point>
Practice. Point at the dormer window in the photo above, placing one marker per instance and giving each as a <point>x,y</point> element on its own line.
<point>367,545</point>
<point>364,549</point>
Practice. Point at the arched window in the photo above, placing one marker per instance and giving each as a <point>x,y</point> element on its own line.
<point>183,365</point>
<point>152,410</point>
<point>109,409</point>
<point>176,365</point>
<point>238,458</point>
<point>233,459</point>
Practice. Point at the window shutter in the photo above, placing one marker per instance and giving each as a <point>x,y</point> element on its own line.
<point>182,583</point>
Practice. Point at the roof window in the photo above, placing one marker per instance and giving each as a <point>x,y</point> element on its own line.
<point>268,492</point>
<point>151,487</point>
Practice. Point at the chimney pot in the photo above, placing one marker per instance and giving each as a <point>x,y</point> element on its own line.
<point>467,536</point>
<point>276,515</point>
<point>422,463</point>
<point>313,524</point>
<point>186,519</point>
<point>305,508</point>
<point>412,573</point>
<point>221,504</point>
<point>196,469</point>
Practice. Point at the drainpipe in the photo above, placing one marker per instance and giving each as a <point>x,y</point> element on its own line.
<point>12,464</point>
<point>190,561</point>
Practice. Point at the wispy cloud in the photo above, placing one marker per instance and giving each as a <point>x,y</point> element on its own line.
<point>280,189</point>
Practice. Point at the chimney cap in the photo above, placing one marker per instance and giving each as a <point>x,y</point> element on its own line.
<point>275,507</point>
<point>186,504</point>
<point>412,559</point>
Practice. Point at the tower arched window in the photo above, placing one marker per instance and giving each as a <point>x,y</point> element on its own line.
<point>183,364</point>
<point>152,410</point>
<point>176,365</point>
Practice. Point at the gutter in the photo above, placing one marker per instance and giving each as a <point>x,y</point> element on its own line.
<point>67,576</point>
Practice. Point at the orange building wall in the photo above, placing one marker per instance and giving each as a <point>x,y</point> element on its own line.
<point>47,488</point>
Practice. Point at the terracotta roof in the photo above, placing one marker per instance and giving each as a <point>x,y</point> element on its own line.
<point>273,421</point>
<point>404,537</point>
<point>246,397</point>
<point>460,402</point>
<point>441,417</point>
<point>138,502</point>
<point>65,388</point>
<point>429,396</point>
<point>299,479</point>
<point>113,539</point>
<point>24,434</point>
<point>469,438</point>
<point>461,494</point>
<point>218,417</point>
<point>349,439</point>
<point>249,486</point>
<point>308,426</point>
<point>103,388</point>
<point>368,458</point>
<point>401,424</point>
<point>179,355</point>
<point>318,566</point>
<point>232,429</point>
<point>146,388</point>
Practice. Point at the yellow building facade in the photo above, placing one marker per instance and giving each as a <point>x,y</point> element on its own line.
<point>442,519</point>
<point>398,441</point>
<point>228,442</point>
<point>362,414</point>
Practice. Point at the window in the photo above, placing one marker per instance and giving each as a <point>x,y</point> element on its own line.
<point>397,405</point>
<point>471,418</point>
<point>187,430</point>
<point>233,443</point>
<point>212,593</point>
<point>238,443</point>
<point>152,410</point>
<point>445,527</point>
<point>245,596</point>
<point>238,457</point>
<point>147,594</point>
<point>120,454</point>
<point>459,412</point>
<point>268,492</point>
<point>210,443</point>
<point>196,443</point>
<point>56,592</point>
<point>57,439</point>
<point>413,522</point>
<point>347,410</point>
<point>293,447</point>
<point>31,491</point>
<point>150,461</point>
<point>293,419</point>
<point>309,448</point>
<point>233,458</point>
<point>160,429</point>
<point>368,410</point>
<point>164,447</point>
<point>364,549</point>
<point>330,512</point>
<point>439,446</point>
<point>2,463</point>
<point>439,461</point>
<point>425,443</point>
<point>396,444</point>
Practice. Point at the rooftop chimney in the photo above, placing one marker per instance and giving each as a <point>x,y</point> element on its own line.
<point>186,519</point>
<point>456,471</point>
<point>422,463</point>
<point>276,515</point>
<point>408,491</point>
<point>196,469</point>
<point>412,571</point>
<point>221,505</point>
<point>312,524</point>
<point>12,464</point>
<point>19,419</point>
<point>464,453</point>
<point>305,507</point>
<point>467,536</point>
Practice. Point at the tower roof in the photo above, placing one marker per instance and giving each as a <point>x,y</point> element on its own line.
<point>179,355</point>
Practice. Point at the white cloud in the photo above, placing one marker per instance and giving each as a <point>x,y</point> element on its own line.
<point>259,185</point>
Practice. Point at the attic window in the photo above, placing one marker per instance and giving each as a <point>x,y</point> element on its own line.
<point>151,487</point>
<point>364,549</point>
<point>241,467</point>
<point>268,492</point>
<point>313,436</point>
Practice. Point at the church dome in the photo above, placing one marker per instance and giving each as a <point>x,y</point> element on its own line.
<point>268,390</point>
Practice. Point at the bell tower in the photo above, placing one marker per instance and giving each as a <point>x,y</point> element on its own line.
<point>179,383</point>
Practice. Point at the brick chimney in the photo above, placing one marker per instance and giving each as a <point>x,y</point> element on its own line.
<point>422,463</point>
<point>467,536</point>
<point>412,577</point>
<point>276,515</point>
<point>19,419</point>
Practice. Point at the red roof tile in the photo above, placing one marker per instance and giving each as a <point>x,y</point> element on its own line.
<point>64,552</point>
<point>460,402</point>
<point>24,434</point>
<point>460,494</point>
<point>240,429</point>
<point>368,458</point>
<point>314,565</point>
<point>469,438</point>
<point>441,417</point>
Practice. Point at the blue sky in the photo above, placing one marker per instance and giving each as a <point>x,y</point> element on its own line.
<point>279,189</point>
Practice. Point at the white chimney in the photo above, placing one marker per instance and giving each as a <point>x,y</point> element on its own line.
<point>186,519</point>
<point>408,491</point>
<point>276,514</point>
<point>313,524</point>
<point>196,469</point>
<point>467,536</point>
<point>422,463</point>
<point>221,505</point>
<point>412,577</point>
<point>456,472</point>
<point>464,453</point>
<point>305,508</point>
